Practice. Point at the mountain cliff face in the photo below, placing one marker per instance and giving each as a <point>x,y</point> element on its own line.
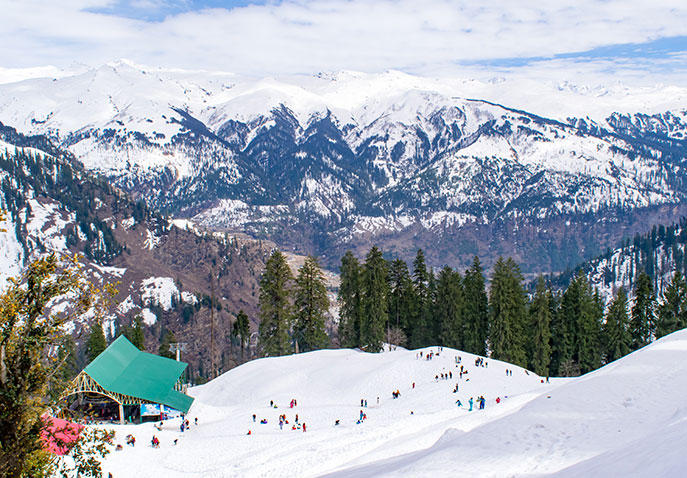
<point>165,273</point>
<point>325,164</point>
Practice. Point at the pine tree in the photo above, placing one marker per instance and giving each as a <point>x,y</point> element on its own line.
<point>433,325</point>
<point>507,306</point>
<point>350,300</point>
<point>401,297</point>
<point>419,329</point>
<point>374,303</point>
<point>540,323</point>
<point>96,343</point>
<point>554,300</point>
<point>672,311</point>
<point>587,344</point>
<point>642,320</point>
<point>476,313</point>
<point>135,333</point>
<point>615,333</point>
<point>311,307</point>
<point>563,328</point>
<point>167,339</point>
<point>275,306</point>
<point>241,329</point>
<point>449,308</point>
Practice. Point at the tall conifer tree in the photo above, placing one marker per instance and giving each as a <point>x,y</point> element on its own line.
<point>401,298</point>
<point>311,307</point>
<point>420,333</point>
<point>563,328</point>
<point>241,329</point>
<point>350,300</point>
<point>672,312</point>
<point>96,343</point>
<point>616,336</point>
<point>476,311</point>
<point>587,345</point>
<point>507,306</point>
<point>135,333</point>
<point>275,306</point>
<point>449,308</point>
<point>642,320</point>
<point>375,306</point>
<point>540,332</point>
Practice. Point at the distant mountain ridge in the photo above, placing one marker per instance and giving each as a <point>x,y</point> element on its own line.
<point>338,162</point>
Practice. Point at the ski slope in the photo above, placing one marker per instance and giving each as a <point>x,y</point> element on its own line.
<point>626,419</point>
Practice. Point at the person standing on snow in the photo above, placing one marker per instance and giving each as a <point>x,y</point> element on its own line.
<point>470,402</point>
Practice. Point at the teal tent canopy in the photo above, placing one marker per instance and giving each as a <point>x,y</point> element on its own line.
<point>122,368</point>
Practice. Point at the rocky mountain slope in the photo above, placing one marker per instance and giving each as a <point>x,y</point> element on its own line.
<point>334,162</point>
<point>164,273</point>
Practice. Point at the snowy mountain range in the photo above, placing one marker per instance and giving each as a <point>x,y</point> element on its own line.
<point>332,162</point>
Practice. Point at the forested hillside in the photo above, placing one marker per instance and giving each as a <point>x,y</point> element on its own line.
<point>175,283</point>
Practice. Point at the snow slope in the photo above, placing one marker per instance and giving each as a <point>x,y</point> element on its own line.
<point>626,419</point>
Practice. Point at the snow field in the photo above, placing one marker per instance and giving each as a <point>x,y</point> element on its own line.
<point>626,419</point>
<point>328,385</point>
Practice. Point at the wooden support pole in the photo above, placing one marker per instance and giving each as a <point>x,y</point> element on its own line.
<point>121,414</point>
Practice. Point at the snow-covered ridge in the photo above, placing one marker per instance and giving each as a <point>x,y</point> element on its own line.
<point>626,418</point>
<point>353,156</point>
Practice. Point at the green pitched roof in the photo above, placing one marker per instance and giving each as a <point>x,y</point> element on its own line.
<point>122,368</point>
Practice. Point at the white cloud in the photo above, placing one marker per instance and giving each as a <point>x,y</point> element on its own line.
<point>300,36</point>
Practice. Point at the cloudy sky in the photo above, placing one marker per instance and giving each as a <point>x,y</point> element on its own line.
<point>632,40</point>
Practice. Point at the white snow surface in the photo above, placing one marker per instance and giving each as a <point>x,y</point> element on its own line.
<point>626,419</point>
<point>159,291</point>
<point>11,253</point>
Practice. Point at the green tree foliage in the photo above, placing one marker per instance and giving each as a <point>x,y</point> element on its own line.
<point>507,303</point>
<point>241,329</point>
<point>168,338</point>
<point>563,327</point>
<point>576,330</point>
<point>616,335</point>
<point>96,342</point>
<point>420,329</point>
<point>135,333</point>
<point>476,312</point>
<point>275,306</point>
<point>374,301</point>
<point>350,300</point>
<point>587,339</point>
<point>540,329</point>
<point>28,363</point>
<point>642,320</point>
<point>672,311</point>
<point>311,307</point>
<point>449,308</point>
<point>401,297</point>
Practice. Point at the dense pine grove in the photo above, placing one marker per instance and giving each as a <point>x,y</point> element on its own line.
<point>550,331</point>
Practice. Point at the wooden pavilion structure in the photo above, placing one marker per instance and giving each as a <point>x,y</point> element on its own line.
<point>130,378</point>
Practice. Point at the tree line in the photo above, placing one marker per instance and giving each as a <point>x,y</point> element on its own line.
<point>292,310</point>
<point>552,332</point>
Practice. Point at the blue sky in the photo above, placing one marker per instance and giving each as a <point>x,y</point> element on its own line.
<point>592,40</point>
<point>158,10</point>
